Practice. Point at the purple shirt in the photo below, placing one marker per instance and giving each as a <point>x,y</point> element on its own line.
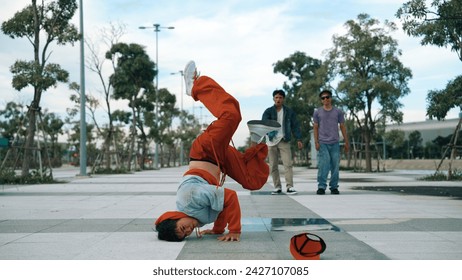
<point>328,122</point>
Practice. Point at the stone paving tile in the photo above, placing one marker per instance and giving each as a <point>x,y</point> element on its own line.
<point>110,217</point>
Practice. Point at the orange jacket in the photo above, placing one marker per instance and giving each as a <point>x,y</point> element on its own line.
<point>231,214</point>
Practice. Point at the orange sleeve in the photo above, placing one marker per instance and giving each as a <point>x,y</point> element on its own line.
<point>230,215</point>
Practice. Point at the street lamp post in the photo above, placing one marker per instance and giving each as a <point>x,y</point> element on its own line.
<point>83,124</point>
<point>157,28</point>
<point>181,113</point>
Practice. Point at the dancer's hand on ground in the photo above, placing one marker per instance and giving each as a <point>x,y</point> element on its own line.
<point>230,237</point>
<point>226,237</point>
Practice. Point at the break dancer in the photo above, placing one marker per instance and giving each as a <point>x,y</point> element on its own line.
<point>201,198</point>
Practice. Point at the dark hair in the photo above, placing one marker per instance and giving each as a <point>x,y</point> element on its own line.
<point>280,92</point>
<point>166,231</point>
<point>325,91</point>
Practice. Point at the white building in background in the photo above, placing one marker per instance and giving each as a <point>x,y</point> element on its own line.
<point>429,129</point>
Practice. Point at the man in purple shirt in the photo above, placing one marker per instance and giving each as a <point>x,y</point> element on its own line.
<point>327,120</point>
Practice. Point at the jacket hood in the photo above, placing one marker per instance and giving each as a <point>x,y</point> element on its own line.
<point>170,215</point>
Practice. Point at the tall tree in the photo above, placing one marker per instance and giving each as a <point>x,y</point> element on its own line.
<point>370,76</point>
<point>12,119</point>
<point>303,83</point>
<point>109,36</point>
<point>187,131</point>
<point>161,131</point>
<point>439,24</point>
<point>415,144</point>
<point>53,127</point>
<point>439,102</point>
<point>49,21</point>
<point>395,139</point>
<point>132,80</point>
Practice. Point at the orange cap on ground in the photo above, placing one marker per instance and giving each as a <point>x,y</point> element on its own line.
<point>302,247</point>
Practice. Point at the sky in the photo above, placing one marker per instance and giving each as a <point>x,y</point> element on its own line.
<point>236,42</point>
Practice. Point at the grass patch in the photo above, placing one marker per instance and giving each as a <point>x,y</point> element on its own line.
<point>443,176</point>
<point>110,171</point>
<point>9,177</point>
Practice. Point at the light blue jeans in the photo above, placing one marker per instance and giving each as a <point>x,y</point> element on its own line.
<point>328,160</point>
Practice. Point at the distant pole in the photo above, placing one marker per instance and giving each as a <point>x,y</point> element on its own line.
<point>83,125</point>
<point>182,142</point>
<point>181,114</point>
<point>157,28</point>
<point>156,156</point>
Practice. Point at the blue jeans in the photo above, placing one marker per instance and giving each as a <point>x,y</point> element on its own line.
<point>328,160</point>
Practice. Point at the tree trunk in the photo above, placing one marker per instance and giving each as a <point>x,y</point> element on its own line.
<point>107,148</point>
<point>35,103</point>
<point>367,147</point>
<point>453,148</point>
<point>29,143</point>
<point>132,140</point>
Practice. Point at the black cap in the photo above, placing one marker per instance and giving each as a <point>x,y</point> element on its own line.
<point>325,91</point>
<point>280,92</point>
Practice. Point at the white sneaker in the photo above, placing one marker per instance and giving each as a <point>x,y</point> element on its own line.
<point>259,129</point>
<point>190,74</point>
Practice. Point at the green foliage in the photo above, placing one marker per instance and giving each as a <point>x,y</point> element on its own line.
<point>12,119</point>
<point>365,63</point>
<point>132,80</point>
<point>9,177</point>
<point>121,170</point>
<point>441,101</point>
<point>31,73</point>
<point>167,112</point>
<point>304,82</point>
<point>121,116</point>
<point>439,23</point>
<point>299,69</point>
<point>134,71</point>
<point>442,176</point>
<point>395,138</point>
<point>49,21</point>
<point>54,18</point>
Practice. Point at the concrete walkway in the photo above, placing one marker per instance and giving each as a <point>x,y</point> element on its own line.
<point>110,217</point>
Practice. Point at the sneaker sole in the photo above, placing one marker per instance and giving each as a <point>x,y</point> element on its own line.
<point>188,66</point>
<point>269,123</point>
<point>189,71</point>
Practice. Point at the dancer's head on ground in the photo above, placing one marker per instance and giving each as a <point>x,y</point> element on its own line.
<point>176,230</point>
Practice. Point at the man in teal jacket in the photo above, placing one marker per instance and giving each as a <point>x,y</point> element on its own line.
<point>279,142</point>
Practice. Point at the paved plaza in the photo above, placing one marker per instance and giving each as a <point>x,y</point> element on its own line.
<point>110,217</point>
